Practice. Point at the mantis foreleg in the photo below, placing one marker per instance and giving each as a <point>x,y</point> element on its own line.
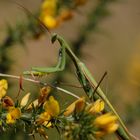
<point>44,70</point>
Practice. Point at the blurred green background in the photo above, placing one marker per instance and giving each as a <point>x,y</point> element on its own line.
<point>112,46</point>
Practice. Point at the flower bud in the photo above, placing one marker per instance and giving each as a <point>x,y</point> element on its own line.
<point>25,100</point>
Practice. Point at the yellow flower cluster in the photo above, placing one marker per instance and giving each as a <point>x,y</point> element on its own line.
<point>8,104</point>
<point>48,12</point>
<point>44,93</point>
<point>50,106</point>
<point>104,123</point>
<point>78,106</point>
<point>96,107</point>
<point>52,109</point>
<point>52,17</point>
<point>13,115</point>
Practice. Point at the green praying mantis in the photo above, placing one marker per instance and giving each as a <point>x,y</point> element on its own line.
<point>84,76</point>
<point>89,84</point>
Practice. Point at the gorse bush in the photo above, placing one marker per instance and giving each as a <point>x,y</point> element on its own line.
<point>80,120</point>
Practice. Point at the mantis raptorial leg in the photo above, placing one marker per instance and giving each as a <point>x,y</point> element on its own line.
<point>43,70</point>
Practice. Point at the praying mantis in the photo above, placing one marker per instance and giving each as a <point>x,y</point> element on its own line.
<point>84,76</point>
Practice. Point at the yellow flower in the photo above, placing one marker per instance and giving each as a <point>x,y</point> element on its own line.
<point>112,128</point>
<point>50,21</point>
<point>105,123</point>
<point>78,106</point>
<point>52,15</point>
<point>70,109</point>
<point>49,7</point>
<point>48,13</point>
<point>3,88</point>
<point>47,124</point>
<point>52,109</point>
<point>51,106</point>
<point>25,100</point>
<point>33,104</point>
<point>44,119</point>
<point>105,119</point>
<point>14,113</point>
<point>96,107</point>
<point>44,92</point>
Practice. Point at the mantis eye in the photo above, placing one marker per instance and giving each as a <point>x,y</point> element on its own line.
<point>54,37</point>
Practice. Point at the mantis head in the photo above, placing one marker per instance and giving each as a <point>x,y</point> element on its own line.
<point>54,38</point>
